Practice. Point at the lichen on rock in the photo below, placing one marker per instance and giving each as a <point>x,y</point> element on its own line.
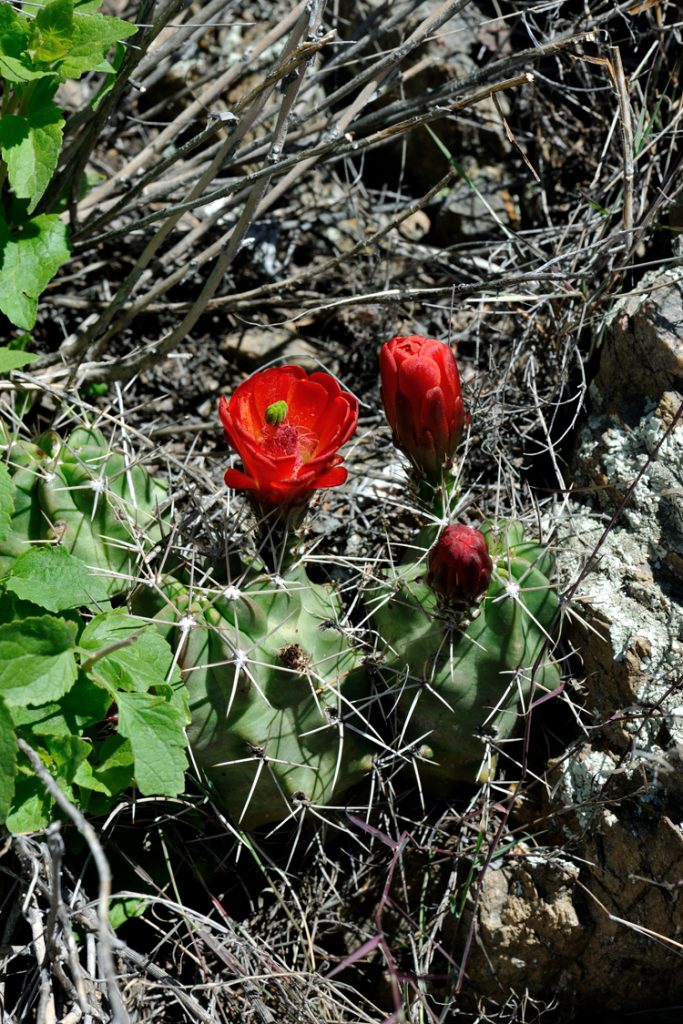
<point>611,809</point>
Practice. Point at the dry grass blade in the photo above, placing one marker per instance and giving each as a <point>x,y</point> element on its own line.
<point>105,935</point>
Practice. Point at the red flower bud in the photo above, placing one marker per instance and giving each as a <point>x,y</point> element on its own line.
<point>286,426</point>
<point>423,401</point>
<point>460,565</point>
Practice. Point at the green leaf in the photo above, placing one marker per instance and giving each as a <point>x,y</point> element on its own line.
<point>31,806</point>
<point>45,720</point>
<point>93,35</point>
<point>16,71</point>
<point>85,704</point>
<point>8,760</point>
<point>12,607</point>
<point>66,753</point>
<point>179,698</point>
<point>12,359</point>
<point>114,773</point>
<point>30,147</point>
<point>21,342</point>
<point>6,498</point>
<point>110,80</point>
<point>124,910</point>
<point>13,32</point>
<point>37,663</point>
<point>30,256</point>
<point>52,31</point>
<point>156,733</point>
<point>86,779</point>
<point>52,578</point>
<point>139,667</point>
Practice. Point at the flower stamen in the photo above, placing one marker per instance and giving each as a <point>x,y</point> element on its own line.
<point>284,440</point>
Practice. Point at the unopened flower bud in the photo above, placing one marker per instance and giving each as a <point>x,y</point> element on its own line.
<point>423,401</point>
<point>460,566</point>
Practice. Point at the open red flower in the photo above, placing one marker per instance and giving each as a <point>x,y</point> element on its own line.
<point>287,427</point>
<point>423,401</point>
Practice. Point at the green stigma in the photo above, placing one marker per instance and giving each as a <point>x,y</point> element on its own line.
<point>277,413</point>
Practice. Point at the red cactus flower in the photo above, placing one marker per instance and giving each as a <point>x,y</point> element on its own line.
<point>286,427</point>
<point>460,566</point>
<point>423,401</point>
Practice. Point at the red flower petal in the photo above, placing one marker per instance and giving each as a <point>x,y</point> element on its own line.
<point>309,404</point>
<point>271,385</point>
<point>284,461</point>
<point>332,478</point>
<point>433,414</point>
<point>416,375</point>
<point>423,401</point>
<point>239,481</point>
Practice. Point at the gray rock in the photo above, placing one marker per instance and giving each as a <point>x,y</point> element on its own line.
<point>642,352</point>
<point>475,208</point>
<point>602,892</point>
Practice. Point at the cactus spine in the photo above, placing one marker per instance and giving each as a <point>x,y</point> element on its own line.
<point>277,694</point>
<point>459,678</point>
<point>79,493</point>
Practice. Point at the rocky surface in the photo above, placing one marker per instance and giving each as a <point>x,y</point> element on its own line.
<point>599,900</point>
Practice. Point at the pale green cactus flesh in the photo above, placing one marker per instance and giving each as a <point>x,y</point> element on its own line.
<point>461,679</point>
<point>277,695</point>
<point>85,496</point>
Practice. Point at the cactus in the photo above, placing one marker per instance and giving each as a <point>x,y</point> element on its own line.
<point>276,694</point>
<point>86,497</point>
<point>461,676</point>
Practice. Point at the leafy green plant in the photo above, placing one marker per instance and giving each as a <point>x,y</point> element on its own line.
<point>39,50</point>
<point>93,690</point>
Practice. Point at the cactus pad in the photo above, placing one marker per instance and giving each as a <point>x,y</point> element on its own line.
<point>80,493</point>
<point>460,678</point>
<point>276,695</point>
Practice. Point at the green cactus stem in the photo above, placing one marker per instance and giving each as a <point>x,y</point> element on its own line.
<point>81,494</point>
<point>276,693</point>
<point>460,679</point>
